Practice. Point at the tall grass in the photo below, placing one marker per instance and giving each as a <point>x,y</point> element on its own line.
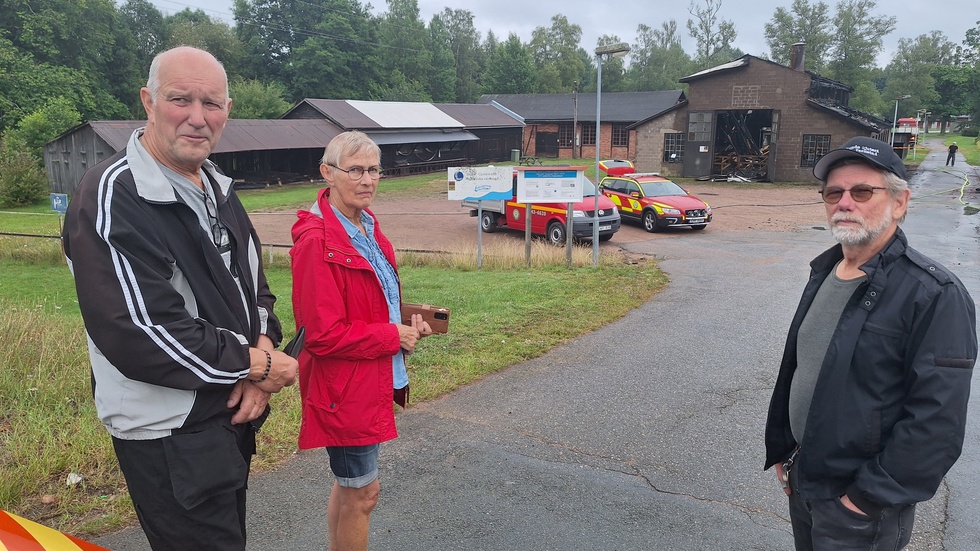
<point>48,427</point>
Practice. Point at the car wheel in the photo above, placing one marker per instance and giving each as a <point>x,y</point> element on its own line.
<point>488,222</point>
<point>699,227</point>
<point>556,233</point>
<point>650,222</point>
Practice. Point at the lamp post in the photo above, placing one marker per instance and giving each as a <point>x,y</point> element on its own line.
<point>610,50</point>
<point>895,118</point>
<point>918,114</point>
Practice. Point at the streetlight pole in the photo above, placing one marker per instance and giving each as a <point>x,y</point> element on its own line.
<point>615,50</point>
<point>919,113</point>
<point>895,118</point>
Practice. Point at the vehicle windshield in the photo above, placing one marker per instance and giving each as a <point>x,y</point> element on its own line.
<point>661,189</point>
<point>588,190</point>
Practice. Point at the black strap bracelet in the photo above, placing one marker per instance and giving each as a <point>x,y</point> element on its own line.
<point>268,366</point>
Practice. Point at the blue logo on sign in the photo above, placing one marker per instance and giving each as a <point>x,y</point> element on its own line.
<point>59,202</point>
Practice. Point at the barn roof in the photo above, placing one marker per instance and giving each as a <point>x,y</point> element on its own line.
<point>627,107</point>
<point>239,134</point>
<point>407,115</point>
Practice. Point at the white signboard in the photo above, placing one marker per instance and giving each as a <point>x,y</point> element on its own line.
<point>551,185</point>
<point>481,183</point>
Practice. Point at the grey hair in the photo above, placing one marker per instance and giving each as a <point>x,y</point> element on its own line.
<point>896,186</point>
<point>153,79</point>
<point>348,144</point>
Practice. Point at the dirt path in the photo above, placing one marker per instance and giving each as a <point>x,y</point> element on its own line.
<point>434,223</point>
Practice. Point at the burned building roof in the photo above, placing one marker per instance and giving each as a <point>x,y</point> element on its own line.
<point>859,118</point>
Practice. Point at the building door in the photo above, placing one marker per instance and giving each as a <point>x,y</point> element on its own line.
<point>697,150</point>
<point>546,145</point>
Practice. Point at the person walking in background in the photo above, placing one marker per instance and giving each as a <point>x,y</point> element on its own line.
<point>870,405</point>
<point>347,295</point>
<point>951,157</point>
<point>179,318</point>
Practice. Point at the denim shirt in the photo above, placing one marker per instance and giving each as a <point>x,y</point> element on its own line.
<point>368,247</point>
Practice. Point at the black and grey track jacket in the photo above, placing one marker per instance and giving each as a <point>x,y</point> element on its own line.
<point>888,414</point>
<point>168,330</point>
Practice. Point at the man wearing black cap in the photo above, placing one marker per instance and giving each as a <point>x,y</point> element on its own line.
<point>869,408</point>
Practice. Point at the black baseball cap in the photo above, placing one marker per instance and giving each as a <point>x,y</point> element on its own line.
<point>874,151</point>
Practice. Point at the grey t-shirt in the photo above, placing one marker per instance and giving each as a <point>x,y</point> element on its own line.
<point>812,342</point>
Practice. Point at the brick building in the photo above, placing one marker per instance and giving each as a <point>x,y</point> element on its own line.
<point>563,126</point>
<point>752,119</point>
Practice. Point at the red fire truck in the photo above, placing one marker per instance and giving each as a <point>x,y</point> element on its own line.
<point>548,219</point>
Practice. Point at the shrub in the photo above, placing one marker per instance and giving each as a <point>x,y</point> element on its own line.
<point>971,132</point>
<point>22,181</point>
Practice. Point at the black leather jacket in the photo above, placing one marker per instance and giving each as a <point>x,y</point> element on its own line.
<point>889,408</point>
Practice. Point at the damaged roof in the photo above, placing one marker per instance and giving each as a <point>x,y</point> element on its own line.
<point>627,107</point>
<point>858,118</point>
<point>731,65</point>
<point>836,104</point>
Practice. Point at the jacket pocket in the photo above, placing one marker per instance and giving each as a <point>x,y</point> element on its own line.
<point>332,383</point>
<point>204,464</point>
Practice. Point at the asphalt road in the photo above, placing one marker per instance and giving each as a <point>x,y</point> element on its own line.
<point>644,435</point>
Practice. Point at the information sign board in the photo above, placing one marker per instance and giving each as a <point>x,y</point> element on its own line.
<point>484,183</point>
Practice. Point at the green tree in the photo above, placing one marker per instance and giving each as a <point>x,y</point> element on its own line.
<point>27,85</point>
<point>857,40</point>
<point>87,36</point>
<point>613,68</point>
<point>910,71</point>
<point>955,87</point>
<point>253,99</point>
<point>803,22</point>
<point>469,57</point>
<point>510,68</point>
<point>149,30</point>
<point>657,59</point>
<point>969,55</point>
<point>556,54</point>
<point>271,31</point>
<point>407,50</point>
<point>22,180</point>
<point>195,28</point>
<point>713,37</point>
<point>868,99</point>
<point>340,58</point>
<point>442,74</point>
<point>43,125</point>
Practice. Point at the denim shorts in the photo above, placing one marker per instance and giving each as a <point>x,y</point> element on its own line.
<point>354,466</point>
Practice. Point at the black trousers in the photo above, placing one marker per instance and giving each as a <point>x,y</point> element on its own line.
<point>826,525</point>
<point>188,489</point>
<point>951,159</point>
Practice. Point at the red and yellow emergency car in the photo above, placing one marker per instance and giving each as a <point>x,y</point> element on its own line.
<point>649,198</point>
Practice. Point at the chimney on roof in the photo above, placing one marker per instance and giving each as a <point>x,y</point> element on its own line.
<point>796,57</point>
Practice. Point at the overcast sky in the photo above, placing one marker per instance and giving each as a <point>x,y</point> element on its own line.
<point>620,18</point>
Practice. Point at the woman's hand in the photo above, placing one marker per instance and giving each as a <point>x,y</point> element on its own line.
<point>409,335</point>
<point>419,323</point>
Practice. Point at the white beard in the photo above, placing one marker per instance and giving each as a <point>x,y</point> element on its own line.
<point>868,231</point>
